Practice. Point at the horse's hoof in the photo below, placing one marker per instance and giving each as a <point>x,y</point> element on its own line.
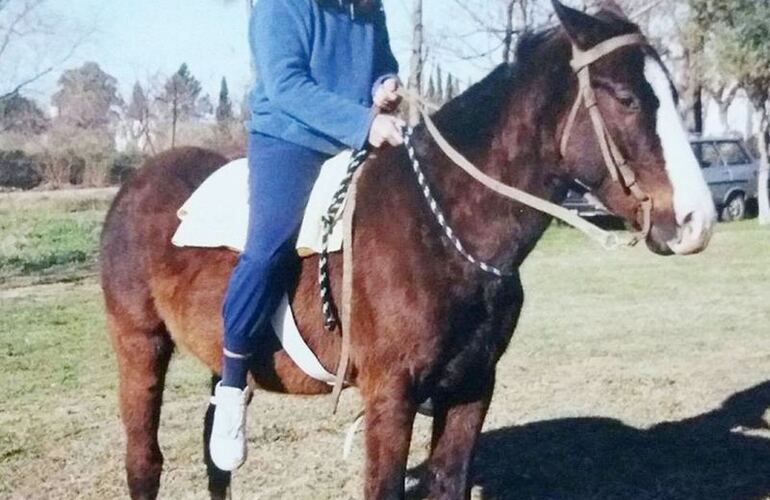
<point>426,408</point>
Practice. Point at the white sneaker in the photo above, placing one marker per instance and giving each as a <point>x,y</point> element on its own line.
<point>228,434</point>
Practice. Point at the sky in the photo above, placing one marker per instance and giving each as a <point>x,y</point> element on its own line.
<point>144,39</point>
<point>147,40</point>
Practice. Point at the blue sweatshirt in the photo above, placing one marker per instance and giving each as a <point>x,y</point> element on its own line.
<point>319,64</point>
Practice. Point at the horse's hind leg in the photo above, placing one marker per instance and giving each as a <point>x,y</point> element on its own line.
<point>219,480</point>
<point>143,356</point>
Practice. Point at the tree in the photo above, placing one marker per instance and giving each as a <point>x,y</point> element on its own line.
<point>738,31</point>
<point>496,26</point>
<point>430,93</point>
<point>21,115</point>
<point>87,98</point>
<point>229,132</point>
<point>139,111</point>
<point>451,88</point>
<point>81,142</point>
<point>723,93</point>
<point>508,35</point>
<point>181,99</point>
<point>224,112</point>
<point>439,85</point>
<point>33,42</point>
<point>245,107</point>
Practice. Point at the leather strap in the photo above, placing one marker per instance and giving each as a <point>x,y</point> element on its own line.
<point>582,58</point>
<point>607,239</point>
<point>347,290</point>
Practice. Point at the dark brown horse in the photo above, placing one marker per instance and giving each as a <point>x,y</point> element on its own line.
<point>425,322</point>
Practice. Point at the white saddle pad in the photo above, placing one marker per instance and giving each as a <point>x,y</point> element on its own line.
<point>217,214</point>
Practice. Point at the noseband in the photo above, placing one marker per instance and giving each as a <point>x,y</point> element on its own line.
<point>613,158</point>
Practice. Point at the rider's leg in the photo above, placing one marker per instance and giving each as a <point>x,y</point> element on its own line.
<point>281,176</point>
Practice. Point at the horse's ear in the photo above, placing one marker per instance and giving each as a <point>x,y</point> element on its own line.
<point>583,29</point>
<point>611,7</point>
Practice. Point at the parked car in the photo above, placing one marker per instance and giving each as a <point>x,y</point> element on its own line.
<point>585,204</point>
<point>730,172</point>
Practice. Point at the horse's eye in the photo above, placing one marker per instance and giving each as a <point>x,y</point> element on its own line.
<point>628,100</point>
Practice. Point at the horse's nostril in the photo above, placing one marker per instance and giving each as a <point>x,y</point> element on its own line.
<point>688,219</point>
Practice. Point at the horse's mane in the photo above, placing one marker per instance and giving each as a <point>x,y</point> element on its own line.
<point>471,116</point>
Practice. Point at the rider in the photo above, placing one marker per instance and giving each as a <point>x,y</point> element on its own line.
<point>327,81</point>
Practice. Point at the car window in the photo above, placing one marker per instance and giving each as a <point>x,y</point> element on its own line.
<point>732,153</point>
<point>707,154</point>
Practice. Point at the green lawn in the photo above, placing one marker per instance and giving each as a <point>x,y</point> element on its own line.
<point>48,242</point>
<point>617,384</point>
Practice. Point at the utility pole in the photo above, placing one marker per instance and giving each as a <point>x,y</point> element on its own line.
<point>508,38</point>
<point>416,64</point>
<point>249,11</point>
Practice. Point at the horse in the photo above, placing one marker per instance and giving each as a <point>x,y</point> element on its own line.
<point>426,323</point>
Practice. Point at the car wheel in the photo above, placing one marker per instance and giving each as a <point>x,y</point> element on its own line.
<point>734,209</point>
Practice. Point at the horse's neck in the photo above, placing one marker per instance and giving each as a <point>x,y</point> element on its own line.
<point>518,152</point>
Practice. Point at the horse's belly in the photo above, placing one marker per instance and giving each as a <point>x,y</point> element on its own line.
<point>190,304</point>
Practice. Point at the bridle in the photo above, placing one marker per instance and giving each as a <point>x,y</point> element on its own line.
<point>614,160</point>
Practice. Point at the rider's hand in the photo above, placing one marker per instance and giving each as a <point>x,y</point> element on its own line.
<point>386,96</point>
<point>386,129</point>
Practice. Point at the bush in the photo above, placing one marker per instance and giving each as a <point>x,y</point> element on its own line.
<point>123,165</point>
<point>19,170</point>
<point>61,168</point>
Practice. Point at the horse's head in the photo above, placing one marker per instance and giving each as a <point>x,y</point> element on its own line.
<point>645,137</point>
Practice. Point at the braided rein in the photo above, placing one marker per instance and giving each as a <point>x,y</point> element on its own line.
<point>335,209</point>
<point>438,214</point>
<point>330,220</point>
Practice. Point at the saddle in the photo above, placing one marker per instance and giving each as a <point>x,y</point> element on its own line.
<point>217,214</point>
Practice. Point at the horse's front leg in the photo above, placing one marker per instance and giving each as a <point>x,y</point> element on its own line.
<point>390,413</point>
<point>456,427</point>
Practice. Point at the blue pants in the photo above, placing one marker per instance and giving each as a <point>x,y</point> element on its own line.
<point>281,176</point>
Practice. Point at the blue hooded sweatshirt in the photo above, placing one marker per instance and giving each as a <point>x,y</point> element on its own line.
<point>319,63</point>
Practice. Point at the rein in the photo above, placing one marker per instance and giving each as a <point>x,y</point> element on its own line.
<point>613,159</point>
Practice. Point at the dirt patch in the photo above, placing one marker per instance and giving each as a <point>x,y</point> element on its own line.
<point>47,290</point>
<point>14,199</point>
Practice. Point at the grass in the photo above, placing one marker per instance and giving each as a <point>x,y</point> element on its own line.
<point>630,376</point>
<point>49,242</point>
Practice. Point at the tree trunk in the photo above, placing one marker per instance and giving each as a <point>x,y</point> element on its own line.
<point>174,119</point>
<point>416,66</point>
<point>724,115</point>
<point>697,110</point>
<point>749,131</point>
<point>764,168</point>
<point>508,39</point>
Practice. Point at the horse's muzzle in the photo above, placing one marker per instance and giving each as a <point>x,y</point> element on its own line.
<point>694,235</point>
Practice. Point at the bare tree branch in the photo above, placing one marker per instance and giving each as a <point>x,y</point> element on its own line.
<point>28,23</point>
<point>28,81</point>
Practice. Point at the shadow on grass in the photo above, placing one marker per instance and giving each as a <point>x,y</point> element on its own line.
<point>711,456</point>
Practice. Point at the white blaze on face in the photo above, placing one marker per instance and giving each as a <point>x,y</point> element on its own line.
<point>693,205</point>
